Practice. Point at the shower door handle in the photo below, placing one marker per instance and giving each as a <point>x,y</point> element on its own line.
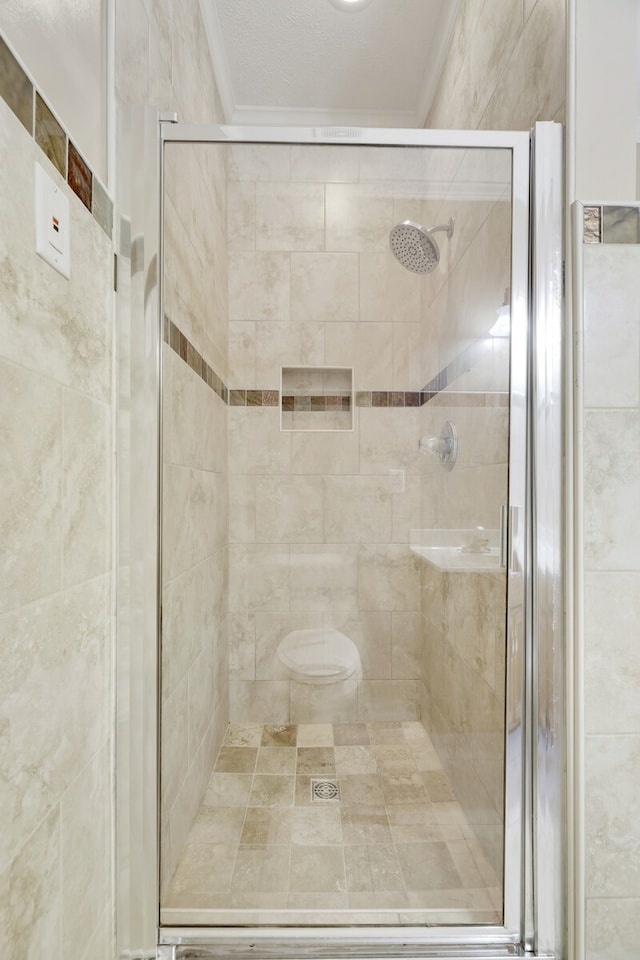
<point>504,535</point>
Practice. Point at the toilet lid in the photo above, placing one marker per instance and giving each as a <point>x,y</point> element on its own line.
<point>320,654</point>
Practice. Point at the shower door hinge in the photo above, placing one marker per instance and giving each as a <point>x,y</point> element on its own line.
<point>168,116</point>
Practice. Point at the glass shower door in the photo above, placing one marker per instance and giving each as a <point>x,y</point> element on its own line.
<point>343,529</point>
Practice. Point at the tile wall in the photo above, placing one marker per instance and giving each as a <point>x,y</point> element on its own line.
<point>505,68</point>
<point>611,580</point>
<point>56,418</point>
<point>163,60</point>
<point>318,535</point>
<point>195,487</point>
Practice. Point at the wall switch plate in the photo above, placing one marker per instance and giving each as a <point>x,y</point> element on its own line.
<point>53,223</point>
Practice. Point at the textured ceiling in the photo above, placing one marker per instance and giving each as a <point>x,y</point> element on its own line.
<point>306,62</point>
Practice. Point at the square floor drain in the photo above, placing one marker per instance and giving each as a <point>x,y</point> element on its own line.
<point>325,790</point>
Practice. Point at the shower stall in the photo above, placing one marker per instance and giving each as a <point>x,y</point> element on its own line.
<point>350,659</point>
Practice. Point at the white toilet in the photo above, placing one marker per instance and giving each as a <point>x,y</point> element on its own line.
<point>320,656</point>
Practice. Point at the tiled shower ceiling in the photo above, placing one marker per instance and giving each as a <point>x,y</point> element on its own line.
<point>308,62</point>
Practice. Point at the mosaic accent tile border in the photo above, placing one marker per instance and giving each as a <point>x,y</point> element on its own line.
<point>28,105</point>
<point>187,352</point>
<point>316,404</point>
<point>611,224</point>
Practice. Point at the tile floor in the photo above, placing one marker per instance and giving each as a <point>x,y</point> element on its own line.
<point>394,849</point>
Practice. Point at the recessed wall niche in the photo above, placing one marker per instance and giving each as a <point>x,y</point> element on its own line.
<point>316,398</point>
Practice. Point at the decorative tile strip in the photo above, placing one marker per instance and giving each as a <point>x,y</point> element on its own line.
<point>611,223</point>
<point>25,101</point>
<point>315,403</point>
<point>16,88</point>
<point>451,398</point>
<point>592,229</point>
<point>620,224</point>
<point>187,352</point>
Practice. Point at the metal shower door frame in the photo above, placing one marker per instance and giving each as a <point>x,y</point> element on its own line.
<point>524,877</point>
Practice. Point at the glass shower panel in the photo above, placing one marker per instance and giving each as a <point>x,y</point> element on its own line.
<point>333,602</point>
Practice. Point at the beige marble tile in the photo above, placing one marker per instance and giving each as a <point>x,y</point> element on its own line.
<point>372,867</point>
<point>258,286</point>
<point>280,761</point>
<point>324,578</point>
<point>317,869</point>
<point>217,825</point>
<point>30,896</point>
<point>611,826</point>
<point>86,488</point>
<point>54,701</point>
<point>365,823</point>
<point>532,85</point>
<point>389,579</point>
<point>334,702</point>
<point>389,439</point>
<point>182,613</point>
<point>236,759</point>
<point>388,292</point>
<point>243,735</point>
<point>313,452</point>
<point>285,343</point>
<point>258,577</point>
<point>611,494</point>
<point>101,941</point>
<point>391,163</point>
<point>289,216</point>
<point>611,928</point>
<point>402,786</point>
<point>406,644</point>
<point>427,866</point>
<point>612,670</point>
<point>358,217</point>
<point>289,509</point>
<point>269,790</point>
<point>259,161</point>
<point>371,633</point>
<point>350,760</point>
<point>31,520</point>
<point>265,701</point>
<point>324,287</point>
<point>316,762</point>
<point>256,443</point>
<point>362,789</point>
<point>279,735</point>
<point>228,789</point>
<point>174,744</point>
<point>242,355</point>
<point>190,537</point>
<point>241,215</point>
<point>261,868</point>
<point>204,869</point>
<point>197,441</point>
<point>242,509</point>
<point>316,825</point>
<point>86,844</point>
<point>357,509</point>
<point>367,347</point>
<point>324,163</point>
<point>315,735</point>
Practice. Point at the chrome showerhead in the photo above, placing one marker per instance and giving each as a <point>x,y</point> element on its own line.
<point>414,247</point>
